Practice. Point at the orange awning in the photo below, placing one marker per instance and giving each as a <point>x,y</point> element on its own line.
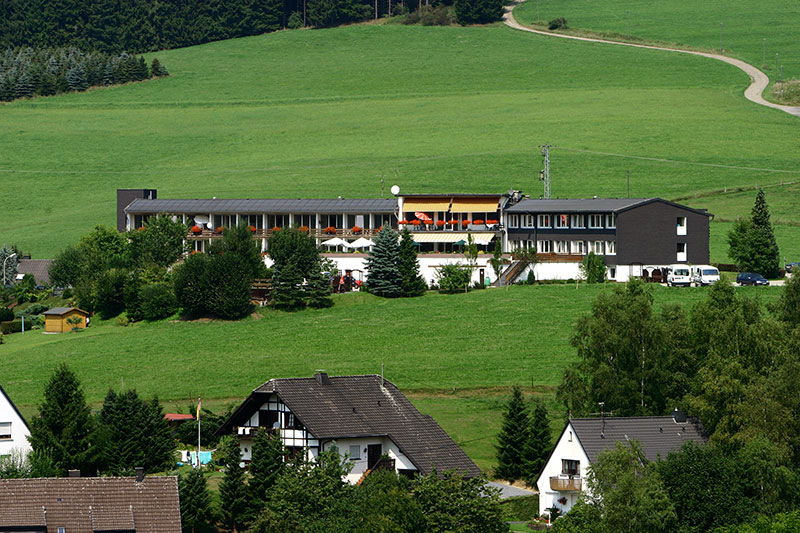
<point>426,204</point>
<point>475,205</point>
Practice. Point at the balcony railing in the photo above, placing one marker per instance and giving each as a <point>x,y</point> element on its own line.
<point>315,233</point>
<point>564,484</point>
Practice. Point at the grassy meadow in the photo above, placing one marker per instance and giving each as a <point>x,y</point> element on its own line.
<point>331,112</point>
<point>745,25</point>
<point>455,355</point>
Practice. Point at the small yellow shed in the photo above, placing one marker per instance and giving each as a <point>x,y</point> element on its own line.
<point>61,319</point>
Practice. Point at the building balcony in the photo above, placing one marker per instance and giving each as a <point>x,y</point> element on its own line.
<point>565,484</point>
<point>314,232</point>
<point>559,258</point>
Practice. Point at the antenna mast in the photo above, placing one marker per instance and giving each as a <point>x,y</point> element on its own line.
<point>544,175</point>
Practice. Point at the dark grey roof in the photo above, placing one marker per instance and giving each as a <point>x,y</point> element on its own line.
<point>590,205</point>
<point>577,205</point>
<point>658,435</point>
<point>352,406</point>
<point>278,206</point>
<point>62,310</point>
<point>39,268</point>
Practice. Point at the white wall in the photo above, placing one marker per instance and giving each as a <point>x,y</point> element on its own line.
<point>401,462</point>
<point>568,447</point>
<point>19,431</point>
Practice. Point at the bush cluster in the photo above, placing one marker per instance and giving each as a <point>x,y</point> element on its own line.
<point>26,72</point>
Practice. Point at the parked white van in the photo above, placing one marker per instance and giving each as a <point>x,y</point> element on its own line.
<point>679,275</point>
<point>704,274</point>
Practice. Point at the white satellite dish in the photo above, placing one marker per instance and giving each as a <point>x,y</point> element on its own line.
<point>395,190</point>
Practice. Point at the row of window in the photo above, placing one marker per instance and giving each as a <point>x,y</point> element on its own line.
<point>594,221</point>
<point>568,247</point>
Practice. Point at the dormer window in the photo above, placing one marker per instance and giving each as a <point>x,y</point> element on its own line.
<point>578,221</point>
<point>562,221</point>
<point>611,220</point>
<point>544,221</point>
<point>595,221</point>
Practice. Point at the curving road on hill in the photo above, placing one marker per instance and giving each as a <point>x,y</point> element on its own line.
<point>758,80</point>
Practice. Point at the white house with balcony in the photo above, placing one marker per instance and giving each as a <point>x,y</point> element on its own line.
<point>562,480</point>
<point>14,430</point>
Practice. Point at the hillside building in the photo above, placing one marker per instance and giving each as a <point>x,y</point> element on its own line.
<point>14,431</point>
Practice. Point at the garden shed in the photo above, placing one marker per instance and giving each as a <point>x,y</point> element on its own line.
<point>60,319</point>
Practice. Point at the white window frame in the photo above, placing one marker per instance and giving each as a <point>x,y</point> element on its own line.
<point>598,218</point>
<point>544,221</point>
<point>611,220</point>
<point>544,247</point>
<point>599,247</point>
<point>357,456</point>
<point>528,221</point>
<point>611,247</point>
<point>5,434</point>
<point>577,221</point>
<point>684,255</point>
<point>561,247</point>
<point>577,247</point>
<point>513,221</point>
<point>681,225</point>
<point>562,221</point>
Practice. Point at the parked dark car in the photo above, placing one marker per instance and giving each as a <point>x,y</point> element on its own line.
<point>791,267</point>
<point>749,278</point>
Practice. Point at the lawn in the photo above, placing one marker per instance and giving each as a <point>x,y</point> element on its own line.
<point>332,112</point>
<point>745,25</point>
<point>455,355</point>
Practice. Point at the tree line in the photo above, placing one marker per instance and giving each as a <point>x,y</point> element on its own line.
<point>138,26</point>
<point>27,72</point>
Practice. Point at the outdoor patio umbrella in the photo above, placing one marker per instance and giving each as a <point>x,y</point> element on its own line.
<point>336,241</point>
<point>361,243</point>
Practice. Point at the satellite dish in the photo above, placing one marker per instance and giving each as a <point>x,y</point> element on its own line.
<point>209,225</point>
<point>395,190</point>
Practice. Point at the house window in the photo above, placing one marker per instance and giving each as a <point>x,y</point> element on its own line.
<point>611,220</point>
<point>611,247</point>
<point>527,221</point>
<point>513,221</point>
<point>681,225</point>
<point>595,221</point>
<point>578,247</point>
<point>561,247</point>
<point>355,452</point>
<point>224,221</point>
<point>5,430</point>
<point>681,255</point>
<point>292,422</point>
<point>544,247</point>
<point>578,221</point>
<point>544,221</point>
<point>562,221</point>
<point>267,419</point>
<point>599,248</point>
<point>570,467</point>
<point>612,273</point>
<point>61,530</point>
<point>570,436</point>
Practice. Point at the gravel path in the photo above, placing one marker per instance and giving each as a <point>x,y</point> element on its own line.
<point>758,80</point>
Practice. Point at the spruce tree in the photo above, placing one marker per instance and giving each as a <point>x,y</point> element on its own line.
<point>318,288</point>
<point>512,439</point>
<point>761,239</point>
<point>382,264</point>
<point>195,499</point>
<point>286,292</point>
<point>537,446</point>
<point>265,467</point>
<point>233,492</point>
<point>64,429</point>
<point>413,283</point>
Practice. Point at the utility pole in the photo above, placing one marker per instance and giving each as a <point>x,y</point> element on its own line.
<point>544,175</point>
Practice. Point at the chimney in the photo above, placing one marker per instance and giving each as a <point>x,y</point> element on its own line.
<point>322,378</point>
<point>678,416</point>
<point>74,473</point>
<point>139,473</point>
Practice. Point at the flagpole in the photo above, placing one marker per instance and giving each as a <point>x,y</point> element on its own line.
<point>198,432</point>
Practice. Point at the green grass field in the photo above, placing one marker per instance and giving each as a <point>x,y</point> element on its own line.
<point>330,112</point>
<point>745,25</point>
<point>455,355</point>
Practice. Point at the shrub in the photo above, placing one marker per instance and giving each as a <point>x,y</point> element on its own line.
<point>559,23</point>
<point>14,326</point>
<point>35,309</point>
<point>157,301</point>
<point>453,278</point>
<point>6,314</point>
<point>531,277</point>
<point>109,293</point>
<point>295,20</point>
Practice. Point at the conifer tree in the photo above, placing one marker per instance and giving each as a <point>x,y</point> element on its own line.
<point>265,467</point>
<point>413,283</point>
<point>537,446</point>
<point>318,288</point>
<point>384,275</point>
<point>287,294</point>
<point>64,429</point>
<point>233,491</point>
<point>764,249</point>
<point>195,499</point>
<point>512,439</point>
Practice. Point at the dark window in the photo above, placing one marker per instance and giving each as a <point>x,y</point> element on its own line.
<point>267,419</point>
<point>570,467</point>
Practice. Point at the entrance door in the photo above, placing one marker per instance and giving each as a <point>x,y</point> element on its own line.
<point>483,277</point>
<point>374,452</point>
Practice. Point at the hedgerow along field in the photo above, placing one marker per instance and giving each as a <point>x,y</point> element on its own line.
<point>455,355</point>
<point>332,112</point>
<point>745,25</point>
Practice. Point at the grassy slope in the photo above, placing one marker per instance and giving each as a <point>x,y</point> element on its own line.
<point>323,113</point>
<point>455,355</point>
<point>744,24</point>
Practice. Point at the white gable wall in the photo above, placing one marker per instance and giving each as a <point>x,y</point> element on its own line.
<point>567,447</point>
<point>401,462</point>
<point>9,419</point>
